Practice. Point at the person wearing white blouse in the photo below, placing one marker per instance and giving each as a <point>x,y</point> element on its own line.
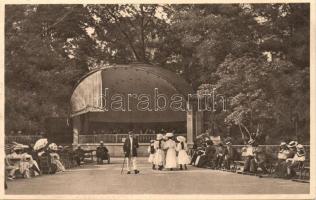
<point>183,158</point>
<point>171,157</point>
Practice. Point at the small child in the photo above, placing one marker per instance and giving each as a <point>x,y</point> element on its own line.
<point>183,158</point>
<point>151,151</point>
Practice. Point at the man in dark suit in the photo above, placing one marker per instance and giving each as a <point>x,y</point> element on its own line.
<point>102,153</point>
<point>130,150</point>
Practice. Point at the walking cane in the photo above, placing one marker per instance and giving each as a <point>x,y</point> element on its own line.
<point>123,165</point>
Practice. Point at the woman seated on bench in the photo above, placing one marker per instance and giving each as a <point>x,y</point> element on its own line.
<point>281,166</point>
<point>55,158</point>
<point>102,153</point>
<point>255,157</point>
<point>22,162</point>
<point>296,161</point>
<point>208,158</point>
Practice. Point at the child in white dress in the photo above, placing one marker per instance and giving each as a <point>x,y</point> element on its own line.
<point>159,145</point>
<point>151,151</point>
<point>183,158</point>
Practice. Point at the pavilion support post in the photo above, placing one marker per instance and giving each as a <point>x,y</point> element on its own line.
<point>190,128</point>
<point>191,123</point>
<point>194,122</point>
<point>76,130</point>
<point>199,123</point>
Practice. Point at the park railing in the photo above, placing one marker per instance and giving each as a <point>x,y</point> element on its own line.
<point>23,139</point>
<point>116,138</point>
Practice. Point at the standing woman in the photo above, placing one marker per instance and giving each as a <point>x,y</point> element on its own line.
<point>171,157</point>
<point>159,151</point>
<point>183,158</point>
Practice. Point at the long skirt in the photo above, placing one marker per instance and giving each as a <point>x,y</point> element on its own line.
<point>25,169</point>
<point>183,158</point>
<point>60,166</point>
<point>151,158</point>
<point>159,157</point>
<point>281,169</point>
<point>171,159</point>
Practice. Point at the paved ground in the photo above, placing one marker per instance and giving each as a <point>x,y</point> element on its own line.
<point>106,179</point>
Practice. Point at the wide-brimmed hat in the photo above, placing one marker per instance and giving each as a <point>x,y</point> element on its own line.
<point>299,146</point>
<point>159,136</point>
<point>101,142</point>
<point>169,134</point>
<point>151,141</point>
<point>53,146</point>
<point>130,132</point>
<point>283,144</point>
<point>292,144</point>
<point>181,138</point>
<point>19,147</point>
<point>216,140</point>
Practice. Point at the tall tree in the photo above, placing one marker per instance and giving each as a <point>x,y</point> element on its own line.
<point>43,53</point>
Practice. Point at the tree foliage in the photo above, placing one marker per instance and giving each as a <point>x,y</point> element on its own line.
<point>256,55</point>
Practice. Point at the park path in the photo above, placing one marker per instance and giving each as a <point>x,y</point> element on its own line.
<point>107,179</point>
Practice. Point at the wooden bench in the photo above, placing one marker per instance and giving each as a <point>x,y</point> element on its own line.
<point>89,154</point>
<point>237,163</point>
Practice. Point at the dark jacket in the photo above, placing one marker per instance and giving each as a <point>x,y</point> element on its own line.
<point>210,152</point>
<point>127,147</point>
<point>102,152</point>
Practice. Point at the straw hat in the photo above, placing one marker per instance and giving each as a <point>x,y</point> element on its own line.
<point>299,146</point>
<point>53,146</point>
<point>283,144</point>
<point>292,144</point>
<point>159,136</point>
<point>181,138</point>
<point>169,134</point>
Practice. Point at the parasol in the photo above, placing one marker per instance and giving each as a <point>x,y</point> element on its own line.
<point>39,144</point>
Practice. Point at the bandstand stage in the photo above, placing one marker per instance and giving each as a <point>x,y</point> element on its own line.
<point>108,102</point>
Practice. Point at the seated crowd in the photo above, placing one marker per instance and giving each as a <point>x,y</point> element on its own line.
<point>34,160</point>
<point>214,154</point>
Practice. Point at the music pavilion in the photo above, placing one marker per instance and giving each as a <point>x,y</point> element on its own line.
<point>109,101</point>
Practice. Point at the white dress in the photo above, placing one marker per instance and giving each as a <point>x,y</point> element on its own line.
<point>183,158</point>
<point>151,157</point>
<point>159,157</point>
<point>171,157</point>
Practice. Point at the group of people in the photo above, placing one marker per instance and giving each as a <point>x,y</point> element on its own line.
<point>165,152</point>
<point>290,156</point>
<point>26,159</point>
<point>214,154</point>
